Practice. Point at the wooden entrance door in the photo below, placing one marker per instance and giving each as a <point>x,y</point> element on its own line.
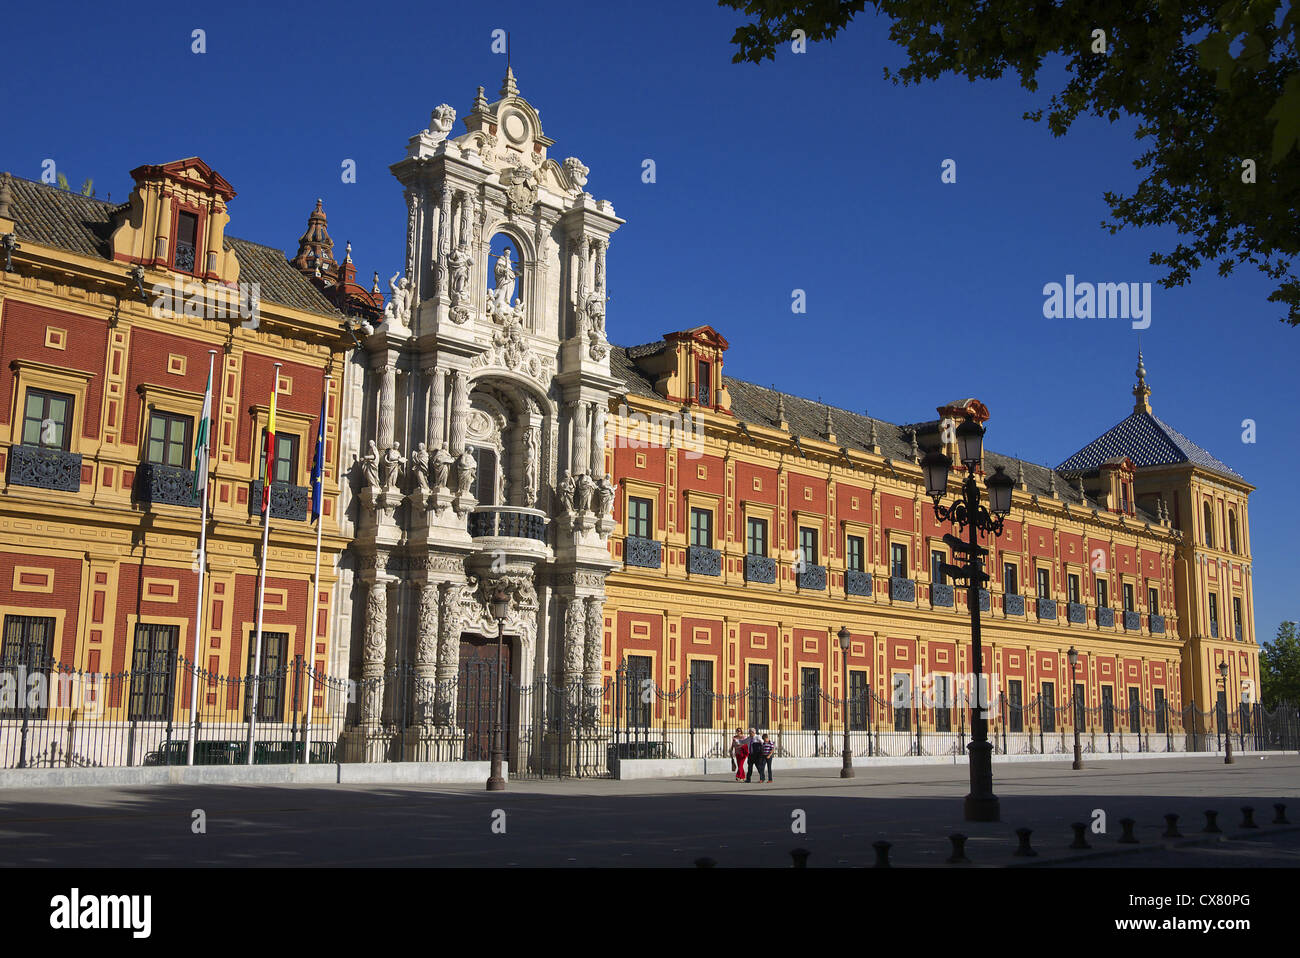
<point>476,695</point>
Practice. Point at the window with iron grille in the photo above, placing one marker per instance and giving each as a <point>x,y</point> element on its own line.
<point>1134,709</point>
<point>759,696</point>
<point>1010,585</point>
<point>808,546</point>
<point>853,555</point>
<point>1015,707</point>
<point>701,693</point>
<point>810,701</point>
<point>153,665</point>
<point>47,419</point>
<point>936,568</point>
<point>638,517</point>
<point>1221,712</point>
<point>898,560</point>
<point>1160,710</point>
<point>702,528</point>
<point>704,377</point>
<point>1079,700</point>
<point>270,683</point>
<point>639,672</point>
<point>1072,587</point>
<point>902,690</point>
<point>1214,613</point>
<point>1236,617</point>
<point>942,704</point>
<point>857,701</point>
<point>285,467</point>
<point>1047,707</point>
<point>27,650</point>
<point>187,232</point>
<point>756,537</point>
<point>169,440</point>
<point>1107,709</point>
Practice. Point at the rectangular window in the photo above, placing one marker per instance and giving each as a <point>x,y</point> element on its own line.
<point>704,380</point>
<point>1153,601</point>
<point>153,664</point>
<point>27,650</point>
<point>1214,614</point>
<point>187,232</point>
<point>1134,709</point>
<point>808,546</point>
<point>1236,617</point>
<point>1160,710</point>
<point>1079,700</point>
<point>285,467</point>
<point>1010,584</point>
<point>1044,583</point>
<point>702,528</point>
<point>1072,587</point>
<point>760,696</point>
<point>898,560</point>
<point>485,475</point>
<point>1103,593</point>
<point>756,537</point>
<point>810,703</point>
<point>857,701</point>
<point>270,683</point>
<point>936,567</point>
<point>854,560</point>
<point>701,693</point>
<point>1128,597</point>
<point>902,692</point>
<point>169,440</point>
<point>1015,706</point>
<point>1107,709</point>
<point>638,517</point>
<point>640,668</point>
<point>942,703</point>
<point>1047,707</point>
<point>47,419</point>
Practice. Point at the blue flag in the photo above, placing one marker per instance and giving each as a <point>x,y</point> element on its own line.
<point>318,470</point>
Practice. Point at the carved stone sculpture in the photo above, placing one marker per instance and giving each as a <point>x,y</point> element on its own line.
<point>442,461</point>
<point>568,492</point>
<point>576,172</point>
<point>582,498</point>
<point>391,466</point>
<point>504,295</point>
<point>420,468</point>
<point>459,262</point>
<point>532,463</point>
<point>465,467</point>
<point>370,465</point>
<point>399,305</point>
<point>605,497</point>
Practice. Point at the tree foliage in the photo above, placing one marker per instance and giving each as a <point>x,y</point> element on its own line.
<point>1211,86</point>
<point>1279,668</point>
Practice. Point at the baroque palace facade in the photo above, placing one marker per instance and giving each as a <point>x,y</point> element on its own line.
<point>636,508</point>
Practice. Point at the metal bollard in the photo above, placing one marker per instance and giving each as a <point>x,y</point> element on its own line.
<point>705,863</point>
<point>1248,817</point>
<point>1280,817</point>
<point>1080,831</point>
<point>1211,824</point>
<point>1024,850</point>
<point>799,857</point>
<point>1171,827</point>
<point>958,856</point>
<point>882,854</point>
<point>1127,838</point>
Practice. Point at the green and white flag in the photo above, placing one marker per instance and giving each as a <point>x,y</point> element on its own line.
<point>201,444</point>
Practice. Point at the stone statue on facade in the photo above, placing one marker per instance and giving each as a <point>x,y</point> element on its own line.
<point>465,467</point>
<point>420,468</point>
<point>391,466</point>
<point>459,263</point>
<point>370,466</point>
<point>605,497</point>
<point>532,462</point>
<point>442,461</point>
<point>399,305</point>
<point>568,488</point>
<point>504,295</point>
<point>582,498</point>
<point>576,172</point>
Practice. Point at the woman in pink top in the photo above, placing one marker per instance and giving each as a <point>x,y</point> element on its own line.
<point>739,753</point>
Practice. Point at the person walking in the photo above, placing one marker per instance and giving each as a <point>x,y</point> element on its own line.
<point>756,760</point>
<point>739,752</point>
<point>768,750</point>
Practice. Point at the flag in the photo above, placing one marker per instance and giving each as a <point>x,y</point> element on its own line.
<point>201,443</point>
<point>268,473</point>
<point>318,470</point>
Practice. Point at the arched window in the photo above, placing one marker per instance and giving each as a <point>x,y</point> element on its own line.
<point>1208,520</point>
<point>1232,530</point>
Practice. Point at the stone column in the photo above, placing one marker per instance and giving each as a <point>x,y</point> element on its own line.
<point>601,246</point>
<point>574,641</point>
<point>435,406</point>
<point>466,211</point>
<point>578,416</point>
<point>374,653</point>
<point>387,389</point>
<point>597,457</point>
<point>412,241</point>
<point>459,412</point>
<point>448,653</point>
<point>426,654</point>
<point>443,240</point>
<point>594,648</point>
<point>578,244</point>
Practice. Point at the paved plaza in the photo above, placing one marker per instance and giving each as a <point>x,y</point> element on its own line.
<point>673,822</point>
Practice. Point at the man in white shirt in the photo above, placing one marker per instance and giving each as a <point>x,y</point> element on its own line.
<point>756,759</point>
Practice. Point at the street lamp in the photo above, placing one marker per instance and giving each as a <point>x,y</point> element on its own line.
<point>844,637</point>
<point>1227,726</point>
<point>1073,656</point>
<point>981,804</point>
<point>500,610</point>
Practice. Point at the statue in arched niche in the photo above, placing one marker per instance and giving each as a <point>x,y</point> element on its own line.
<point>504,294</point>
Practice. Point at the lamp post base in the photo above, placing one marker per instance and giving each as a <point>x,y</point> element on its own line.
<point>981,804</point>
<point>847,770</point>
<point>982,808</point>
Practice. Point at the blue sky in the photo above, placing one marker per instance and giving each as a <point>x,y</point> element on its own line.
<point>809,173</point>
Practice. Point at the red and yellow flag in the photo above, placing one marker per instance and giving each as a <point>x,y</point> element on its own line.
<point>269,469</point>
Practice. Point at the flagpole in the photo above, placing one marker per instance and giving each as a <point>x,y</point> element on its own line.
<point>203,544</point>
<point>261,576</point>
<point>309,643</point>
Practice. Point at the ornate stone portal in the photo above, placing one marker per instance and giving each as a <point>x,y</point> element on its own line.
<point>480,462</point>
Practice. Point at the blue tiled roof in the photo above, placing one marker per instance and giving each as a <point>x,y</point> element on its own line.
<point>1148,441</point>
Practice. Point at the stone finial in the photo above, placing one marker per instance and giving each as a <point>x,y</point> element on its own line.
<point>780,412</point>
<point>829,429</point>
<point>1142,392</point>
<point>508,86</point>
<point>1051,483</point>
<point>1020,474</point>
<point>375,288</point>
<point>916,450</point>
<point>1082,495</point>
<point>480,101</point>
<point>347,251</point>
<point>6,197</point>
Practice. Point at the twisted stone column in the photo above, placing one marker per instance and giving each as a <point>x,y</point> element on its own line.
<point>373,653</point>
<point>575,640</point>
<point>459,411</point>
<point>426,654</point>
<point>597,458</point>
<point>435,378</point>
<point>387,389</point>
<point>444,240</point>
<point>601,246</point>
<point>594,648</point>
<point>578,416</point>
<point>448,653</point>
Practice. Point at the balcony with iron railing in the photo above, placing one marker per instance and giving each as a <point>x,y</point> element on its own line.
<point>44,468</point>
<point>642,553</point>
<point>287,501</point>
<point>857,582</point>
<point>759,568</point>
<point>1105,618</point>
<point>812,578</point>
<point>507,522</point>
<point>157,484</point>
<point>902,590</point>
<point>1013,604</point>
<point>941,596</point>
<point>701,560</point>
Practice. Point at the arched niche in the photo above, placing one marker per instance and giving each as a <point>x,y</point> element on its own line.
<point>511,431</point>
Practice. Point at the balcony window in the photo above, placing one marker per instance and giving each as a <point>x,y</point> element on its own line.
<point>639,514</point>
<point>1207,520</point>
<point>1044,583</point>
<point>169,440</point>
<point>1214,616</point>
<point>853,554</point>
<point>704,381</point>
<point>1128,597</point>
<point>1010,583</point>
<point>285,466</point>
<point>1103,593</point>
<point>1153,601</point>
<point>47,419</point>
<point>1236,617</point>
<point>1072,587</point>
<point>936,568</point>
<point>898,560</point>
<point>1232,531</point>
<point>808,546</point>
<point>187,234</point>
<point>702,528</point>
<point>756,537</point>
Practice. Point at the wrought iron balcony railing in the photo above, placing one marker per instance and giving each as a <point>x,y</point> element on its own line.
<point>44,468</point>
<point>1106,618</point>
<point>169,485</point>
<point>902,590</point>
<point>984,600</point>
<point>941,595</point>
<point>701,560</point>
<point>813,578</point>
<point>287,502</point>
<point>1157,624</point>
<point>1132,621</point>
<point>511,522</point>
<point>643,553</point>
<point>1013,604</point>
<point>1046,609</point>
<point>1076,613</point>
<point>760,569</point>
<point>1214,629</point>
<point>857,583</point>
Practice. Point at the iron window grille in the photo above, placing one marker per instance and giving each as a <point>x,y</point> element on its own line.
<point>153,667</point>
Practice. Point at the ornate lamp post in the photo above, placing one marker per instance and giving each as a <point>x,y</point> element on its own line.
<point>847,770</point>
<point>1073,656</point>
<point>500,610</point>
<point>981,804</point>
<point>1227,724</point>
